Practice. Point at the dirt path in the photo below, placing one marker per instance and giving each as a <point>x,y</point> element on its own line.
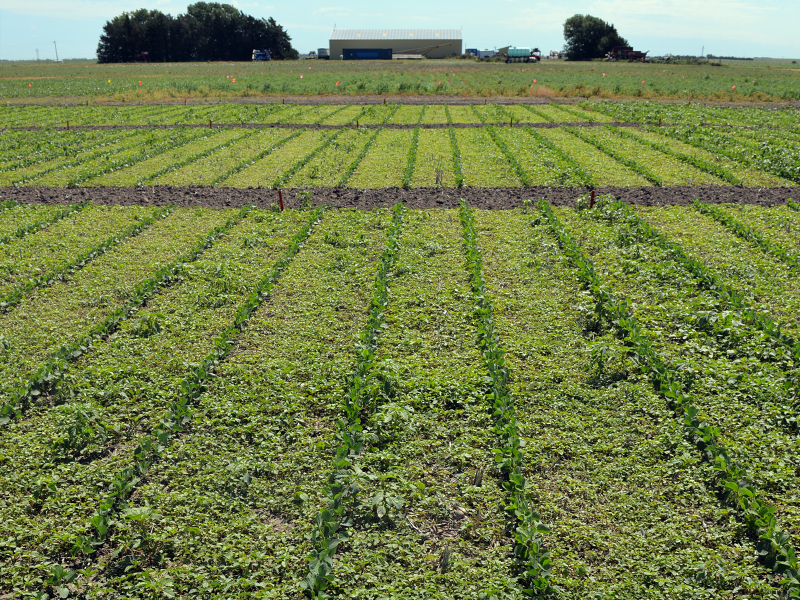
<point>486,198</point>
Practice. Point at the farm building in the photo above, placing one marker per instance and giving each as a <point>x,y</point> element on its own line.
<point>374,43</point>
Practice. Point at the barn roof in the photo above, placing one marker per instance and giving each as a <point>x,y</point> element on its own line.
<point>395,34</point>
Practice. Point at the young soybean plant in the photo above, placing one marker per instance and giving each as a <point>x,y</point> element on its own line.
<point>533,558</point>
<point>731,478</point>
<point>330,526</point>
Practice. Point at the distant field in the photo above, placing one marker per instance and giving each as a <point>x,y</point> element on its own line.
<point>753,80</point>
<point>596,144</point>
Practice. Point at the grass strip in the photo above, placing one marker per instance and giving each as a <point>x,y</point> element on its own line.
<point>359,402</point>
<point>631,164</point>
<point>456,152</point>
<point>408,174</point>
<point>518,168</point>
<point>582,174</point>
<point>539,114</point>
<point>249,161</point>
<point>152,446</point>
<point>696,162</point>
<point>704,276</point>
<point>774,547</point>
<point>43,223</point>
<point>51,372</point>
<point>748,233</point>
<point>15,296</point>
<point>534,561</point>
<point>6,204</point>
<point>354,165</point>
<point>195,158</point>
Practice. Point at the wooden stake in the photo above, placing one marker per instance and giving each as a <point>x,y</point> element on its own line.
<point>591,200</point>
<point>280,198</point>
<point>67,125</point>
<point>209,124</point>
<point>511,123</point>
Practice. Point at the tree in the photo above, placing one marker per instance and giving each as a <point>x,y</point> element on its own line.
<point>588,37</point>
<point>207,31</point>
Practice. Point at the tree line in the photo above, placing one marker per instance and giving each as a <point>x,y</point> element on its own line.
<point>588,37</point>
<point>207,31</point>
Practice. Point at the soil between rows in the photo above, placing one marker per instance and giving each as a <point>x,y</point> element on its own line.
<point>364,199</point>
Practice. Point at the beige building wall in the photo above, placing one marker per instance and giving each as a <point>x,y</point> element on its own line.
<point>404,46</point>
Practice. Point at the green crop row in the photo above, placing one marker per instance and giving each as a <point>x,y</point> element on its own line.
<point>48,374</point>
<point>631,164</point>
<point>730,477</point>
<point>534,560</point>
<point>359,402</point>
<point>15,296</point>
<point>695,161</point>
<point>151,446</point>
<point>751,235</point>
<point>43,223</point>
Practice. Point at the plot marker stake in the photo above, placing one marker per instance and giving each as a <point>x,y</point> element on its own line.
<point>209,124</point>
<point>591,200</point>
<point>280,198</point>
<point>67,125</point>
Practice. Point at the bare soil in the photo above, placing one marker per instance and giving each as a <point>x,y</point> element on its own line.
<point>482,198</point>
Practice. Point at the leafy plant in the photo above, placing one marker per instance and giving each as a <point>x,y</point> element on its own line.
<point>774,546</point>
<point>534,561</point>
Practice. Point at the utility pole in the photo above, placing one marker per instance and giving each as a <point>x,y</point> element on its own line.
<point>37,55</point>
<point>703,52</point>
<point>56,47</point>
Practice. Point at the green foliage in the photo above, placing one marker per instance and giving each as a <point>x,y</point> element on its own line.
<point>631,164</point>
<point>51,372</point>
<point>360,400</point>
<point>694,161</point>
<point>42,224</point>
<point>748,233</point>
<point>588,37</point>
<point>731,477</point>
<point>15,296</point>
<point>534,561</point>
<point>208,31</point>
<point>151,447</point>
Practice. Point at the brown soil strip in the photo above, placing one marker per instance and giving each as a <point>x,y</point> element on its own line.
<point>484,198</point>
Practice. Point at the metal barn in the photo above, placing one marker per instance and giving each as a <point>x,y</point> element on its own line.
<point>431,43</point>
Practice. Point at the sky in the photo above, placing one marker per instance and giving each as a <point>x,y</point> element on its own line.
<point>746,28</point>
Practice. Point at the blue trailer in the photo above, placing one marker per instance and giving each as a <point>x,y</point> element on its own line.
<point>367,53</point>
<point>262,55</point>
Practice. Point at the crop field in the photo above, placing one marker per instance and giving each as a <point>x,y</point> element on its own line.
<point>745,81</point>
<point>577,401</point>
<point>391,145</point>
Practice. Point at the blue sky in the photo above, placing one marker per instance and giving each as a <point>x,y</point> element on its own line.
<point>723,27</point>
